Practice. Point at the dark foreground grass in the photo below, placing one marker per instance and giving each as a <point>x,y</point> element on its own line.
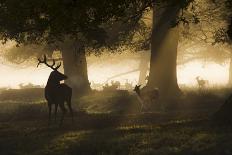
<point>115,126</point>
<point>177,137</point>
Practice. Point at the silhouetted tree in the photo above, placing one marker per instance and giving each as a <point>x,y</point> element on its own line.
<point>69,26</point>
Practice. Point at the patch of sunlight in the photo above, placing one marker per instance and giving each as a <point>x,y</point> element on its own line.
<point>72,135</point>
<point>64,141</point>
<point>134,127</point>
<point>201,136</point>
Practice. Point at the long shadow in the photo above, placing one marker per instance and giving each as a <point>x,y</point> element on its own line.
<point>27,132</point>
<point>192,137</point>
<point>106,134</point>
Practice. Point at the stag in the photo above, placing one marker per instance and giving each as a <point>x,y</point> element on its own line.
<point>146,96</point>
<point>55,92</point>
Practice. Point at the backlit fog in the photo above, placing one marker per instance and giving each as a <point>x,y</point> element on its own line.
<point>101,71</point>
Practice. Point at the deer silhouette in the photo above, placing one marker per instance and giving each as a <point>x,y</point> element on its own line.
<point>55,92</point>
<point>146,96</point>
<point>201,82</point>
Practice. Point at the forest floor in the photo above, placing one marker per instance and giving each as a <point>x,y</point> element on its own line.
<point>111,123</point>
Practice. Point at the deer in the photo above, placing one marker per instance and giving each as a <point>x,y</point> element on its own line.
<point>201,82</point>
<point>56,93</point>
<point>146,96</point>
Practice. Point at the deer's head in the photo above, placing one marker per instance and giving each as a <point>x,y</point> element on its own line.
<point>55,75</point>
<point>137,89</point>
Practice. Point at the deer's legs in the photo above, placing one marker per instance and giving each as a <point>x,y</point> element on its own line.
<point>143,105</point>
<point>70,110</point>
<point>56,106</point>
<point>141,110</point>
<point>63,113</point>
<point>49,111</point>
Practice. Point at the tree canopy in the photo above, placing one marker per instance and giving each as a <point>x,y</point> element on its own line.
<point>50,21</point>
<point>30,21</point>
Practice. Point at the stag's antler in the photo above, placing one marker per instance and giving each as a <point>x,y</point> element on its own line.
<point>45,62</point>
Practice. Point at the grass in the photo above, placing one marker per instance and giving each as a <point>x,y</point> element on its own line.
<point>112,124</point>
<point>190,137</point>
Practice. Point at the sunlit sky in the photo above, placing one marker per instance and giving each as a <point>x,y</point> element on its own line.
<point>214,73</point>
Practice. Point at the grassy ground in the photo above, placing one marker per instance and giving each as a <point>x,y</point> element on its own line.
<point>112,124</point>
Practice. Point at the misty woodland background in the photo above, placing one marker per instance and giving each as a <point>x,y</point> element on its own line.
<point>106,48</point>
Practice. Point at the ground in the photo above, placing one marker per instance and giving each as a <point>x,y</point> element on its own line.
<point>111,123</point>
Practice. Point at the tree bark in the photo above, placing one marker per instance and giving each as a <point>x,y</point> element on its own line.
<point>164,52</point>
<point>143,68</point>
<point>75,67</point>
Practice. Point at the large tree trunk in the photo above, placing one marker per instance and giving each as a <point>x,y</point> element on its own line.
<point>143,68</point>
<point>75,67</point>
<point>164,52</point>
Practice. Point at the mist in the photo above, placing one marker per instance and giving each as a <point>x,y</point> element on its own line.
<point>108,63</point>
<point>116,77</point>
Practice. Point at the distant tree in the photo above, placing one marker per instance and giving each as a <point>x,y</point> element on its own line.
<point>212,34</point>
<point>207,40</point>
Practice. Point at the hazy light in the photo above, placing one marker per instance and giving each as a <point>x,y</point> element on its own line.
<point>99,73</point>
<point>216,74</point>
<point>11,77</point>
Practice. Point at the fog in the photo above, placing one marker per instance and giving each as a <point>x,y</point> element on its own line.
<point>100,70</point>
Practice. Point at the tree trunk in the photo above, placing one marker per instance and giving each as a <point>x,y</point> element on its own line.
<point>164,52</point>
<point>143,68</point>
<point>75,67</point>
<point>230,72</point>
